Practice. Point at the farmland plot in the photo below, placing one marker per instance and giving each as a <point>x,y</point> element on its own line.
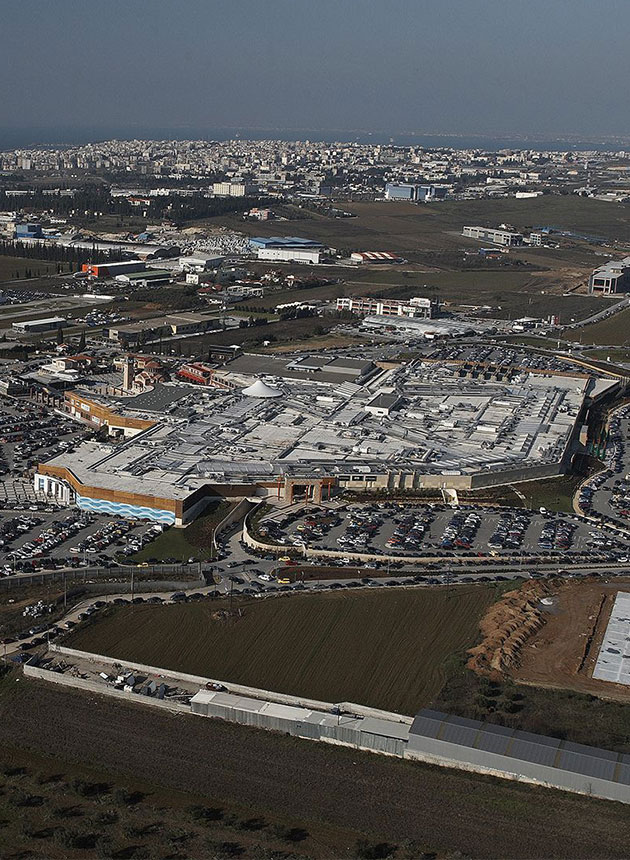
<point>387,649</point>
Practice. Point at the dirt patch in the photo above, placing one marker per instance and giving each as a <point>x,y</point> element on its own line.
<point>554,646</point>
<point>507,626</point>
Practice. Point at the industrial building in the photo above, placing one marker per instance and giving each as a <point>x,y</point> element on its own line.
<point>437,738</point>
<point>111,270</point>
<point>375,733</point>
<point>290,254</point>
<point>33,326</point>
<point>287,249</point>
<point>508,238</point>
<point>142,331</point>
<point>493,749</point>
<point>146,278</point>
<point>414,193</point>
<point>311,424</point>
<point>28,231</point>
<point>199,262</point>
<point>612,277</point>
<point>366,306</point>
<point>375,257</point>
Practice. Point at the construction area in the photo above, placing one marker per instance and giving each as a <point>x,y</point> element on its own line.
<point>431,736</point>
<point>556,634</point>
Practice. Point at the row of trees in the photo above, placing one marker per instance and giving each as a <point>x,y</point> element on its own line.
<point>91,199</point>
<point>57,253</point>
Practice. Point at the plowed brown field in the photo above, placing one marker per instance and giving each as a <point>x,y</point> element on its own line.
<point>388,649</point>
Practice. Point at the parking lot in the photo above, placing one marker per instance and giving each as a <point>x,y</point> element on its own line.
<point>400,530</point>
<point>37,540</point>
<point>608,494</point>
<point>30,434</point>
<point>501,357</point>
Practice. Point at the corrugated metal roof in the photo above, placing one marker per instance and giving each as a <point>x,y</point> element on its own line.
<point>493,741</point>
<point>524,746</point>
<point>384,728</point>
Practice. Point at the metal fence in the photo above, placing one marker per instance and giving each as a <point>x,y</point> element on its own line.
<point>191,575</point>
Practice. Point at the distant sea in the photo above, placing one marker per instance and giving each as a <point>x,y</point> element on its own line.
<point>24,138</point>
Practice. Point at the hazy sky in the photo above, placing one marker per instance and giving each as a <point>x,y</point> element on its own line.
<point>462,66</point>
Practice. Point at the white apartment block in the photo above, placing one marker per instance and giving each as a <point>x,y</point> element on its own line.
<point>416,307</point>
<point>497,237</point>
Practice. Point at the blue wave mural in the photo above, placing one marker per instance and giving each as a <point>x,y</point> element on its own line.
<point>135,512</point>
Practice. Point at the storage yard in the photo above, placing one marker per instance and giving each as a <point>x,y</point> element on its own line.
<point>383,649</point>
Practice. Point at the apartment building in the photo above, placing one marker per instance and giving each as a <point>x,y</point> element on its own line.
<point>368,306</point>
<point>497,237</point>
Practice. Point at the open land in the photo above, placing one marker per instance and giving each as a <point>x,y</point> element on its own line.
<point>613,331</point>
<point>535,279</point>
<point>437,226</point>
<point>509,293</point>
<point>12,268</point>
<point>406,807</point>
<point>387,650</point>
<point>564,651</point>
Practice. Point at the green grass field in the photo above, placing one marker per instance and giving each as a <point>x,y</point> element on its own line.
<point>388,649</point>
<point>194,541</point>
<point>615,330</point>
<point>622,355</point>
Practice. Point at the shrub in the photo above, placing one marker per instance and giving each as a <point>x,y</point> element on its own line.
<point>290,834</point>
<point>205,814</point>
<point>106,817</point>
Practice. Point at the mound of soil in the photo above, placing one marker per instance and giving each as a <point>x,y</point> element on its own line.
<point>507,625</point>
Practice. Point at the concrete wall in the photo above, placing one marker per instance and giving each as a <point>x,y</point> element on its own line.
<point>237,513</point>
<point>94,687</point>
<point>253,692</point>
<point>332,554</point>
<point>82,576</point>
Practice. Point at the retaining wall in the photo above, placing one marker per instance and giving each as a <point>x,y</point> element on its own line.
<point>308,552</point>
<point>238,512</point>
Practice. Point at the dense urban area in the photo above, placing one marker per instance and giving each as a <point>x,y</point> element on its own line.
<point>314,501</point>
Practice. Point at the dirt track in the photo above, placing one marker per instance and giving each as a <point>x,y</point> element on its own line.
<point>442,809</point>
